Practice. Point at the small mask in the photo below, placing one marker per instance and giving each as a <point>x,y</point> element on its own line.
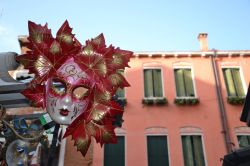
<point>20,153</point>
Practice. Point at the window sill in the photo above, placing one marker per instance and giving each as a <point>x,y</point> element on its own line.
<point>155,101</point>
<point>236,100</point>
<point>186,101</point>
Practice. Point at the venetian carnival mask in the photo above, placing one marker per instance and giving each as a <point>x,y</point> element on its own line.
<point>75,83</point>
<point>68,93</point>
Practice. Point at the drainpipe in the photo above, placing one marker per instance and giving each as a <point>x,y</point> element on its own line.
<point>223,116</point>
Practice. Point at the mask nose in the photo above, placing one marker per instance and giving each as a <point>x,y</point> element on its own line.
<point>66,102</point>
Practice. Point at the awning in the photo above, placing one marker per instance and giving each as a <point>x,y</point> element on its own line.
<point>10,96</point>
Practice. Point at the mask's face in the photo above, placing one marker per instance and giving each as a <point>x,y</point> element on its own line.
<point>67,94</point>
<point>20,152</point>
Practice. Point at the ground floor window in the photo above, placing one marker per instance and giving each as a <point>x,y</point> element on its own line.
<point>157,151</point>
<point>244,140</point>
<point>193,150</point>
<point>114,154</point>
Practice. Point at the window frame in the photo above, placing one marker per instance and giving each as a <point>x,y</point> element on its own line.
<point>240,131</point>
<point>241,134</point>
<point>241,78</point>
<point>193,80</point>
<point>168,147</point>
<point>119,132</point>
<point>195,131</point>
<point>124,89</point>
<point>162,82</point>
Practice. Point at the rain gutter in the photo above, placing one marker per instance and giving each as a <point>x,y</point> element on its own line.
<point>223,116</point>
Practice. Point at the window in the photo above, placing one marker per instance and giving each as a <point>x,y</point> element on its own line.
<point>184,83</point>
<point>244,140</point>
<point>192,150</point>
<point>233,82</point>
<point>114,154</point>
<point>120,93</point>
<point>157,151</point>
<point>152,83</point>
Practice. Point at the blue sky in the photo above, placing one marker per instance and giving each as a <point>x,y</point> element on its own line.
<point>136,25</point>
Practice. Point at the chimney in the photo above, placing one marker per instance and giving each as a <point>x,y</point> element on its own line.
<point>23,42</point>
<point>202,37</point>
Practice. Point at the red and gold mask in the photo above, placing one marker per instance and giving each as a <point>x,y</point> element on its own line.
<point>75,83</point>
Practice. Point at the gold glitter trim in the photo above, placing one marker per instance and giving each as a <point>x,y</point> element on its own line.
<point>102,68</point>
<point>42,65</point>
<point>88,51</point>
<point>82,144</point>
<point>104,96</point>
<point>55,48</point>
<point>115,79</point>
<point>106,136</point>
<point>37,36</point>
<point>98,115</point>
<point>117,59</point>
<point>66,38</point>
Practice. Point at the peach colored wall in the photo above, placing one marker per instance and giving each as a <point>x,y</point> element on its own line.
<point>205,115</point>
<point>234,112</point>
<point>74,157</point>
<point>138,117</point>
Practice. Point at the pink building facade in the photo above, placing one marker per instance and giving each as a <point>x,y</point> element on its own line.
<point>183,108</point>
<point>202,123</point>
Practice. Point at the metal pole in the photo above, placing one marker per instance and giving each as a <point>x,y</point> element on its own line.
<point>223,116</point>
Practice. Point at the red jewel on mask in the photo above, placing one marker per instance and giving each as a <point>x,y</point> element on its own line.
<point>75,83</point>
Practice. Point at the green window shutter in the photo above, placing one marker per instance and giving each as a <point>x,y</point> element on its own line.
<point>114,154</point>
<point>157,151</point>
<point>157,83</point>
<point>152,83</point>
<point>187,151</point>
<point>120,93</point>
<point>148,83</point>
<point>179,82</point>
<point>237,82</point>
<point>244,140</point>
<point>188,83</point>
<point>198,151</point>
<point>229,82</point>
<point>193,151</point>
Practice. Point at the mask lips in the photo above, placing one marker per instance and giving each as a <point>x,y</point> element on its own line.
<point>64,112</point>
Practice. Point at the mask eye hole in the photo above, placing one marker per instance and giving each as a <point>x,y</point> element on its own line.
<point>58,86</point>
<point>19,149</point>
<point>80,92</point>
